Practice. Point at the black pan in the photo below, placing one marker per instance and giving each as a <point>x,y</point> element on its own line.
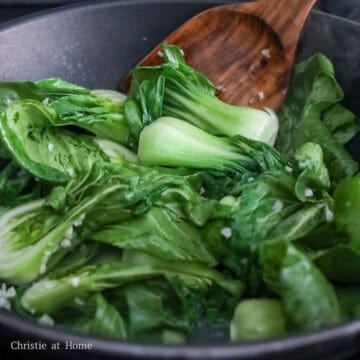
<point>95,44</point>
<point>37,2</point>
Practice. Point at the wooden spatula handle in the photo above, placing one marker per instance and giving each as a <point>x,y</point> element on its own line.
<point>286,17</point>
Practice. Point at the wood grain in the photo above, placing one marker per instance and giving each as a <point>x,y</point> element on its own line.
<point>247,49</point>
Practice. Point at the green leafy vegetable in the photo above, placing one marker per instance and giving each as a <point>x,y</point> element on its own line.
<point>100,112</point>
<point>101,116</point>
<point>181,144</point>
<point>31,233</point>
<point>340,263</point>
<point>314,174</point>
<point>158,233</point>
<point>154,306</point>
<point>43,90</point>
<point>347,206</point>
<point>258,319</point>
<point>342,123</point>
<point>315,92</point>
<point>93,315</point>
<point>148,217</point>
<point>49,295</point>
<point>309,300</point>
<point>47,153</point>
<point>14,182</point>
<point>115,151</point>
<point>269,209</point>
<point>177,90</point>
<point>349,300</point>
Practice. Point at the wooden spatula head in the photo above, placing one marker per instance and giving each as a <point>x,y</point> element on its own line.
<point>247,50</point>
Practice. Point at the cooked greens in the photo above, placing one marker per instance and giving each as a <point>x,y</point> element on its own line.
<point>258,318</point>
<point>177,90</point>
<point>146,217</point>
<point>180,144</point>
<point>312,113</point>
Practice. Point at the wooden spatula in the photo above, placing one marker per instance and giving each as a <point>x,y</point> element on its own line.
<point>247,49</point>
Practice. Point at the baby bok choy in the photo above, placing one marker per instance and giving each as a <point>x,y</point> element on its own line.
<point>176,89</point>
<point>156,245</point>
<point>53,293</point>
<point>99,111</point>
<point>33,233</point>
<point>172,142</point>
<point>48,153</point>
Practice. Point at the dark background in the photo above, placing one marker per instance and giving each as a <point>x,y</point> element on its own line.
<point>11,9</point>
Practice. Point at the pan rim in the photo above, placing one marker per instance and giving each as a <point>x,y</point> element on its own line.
<point>348,332</point>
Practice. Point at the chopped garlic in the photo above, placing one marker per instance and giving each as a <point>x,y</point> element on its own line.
<point>228,200</point>
<point>226,232</point>
<point>79,221</point>
<point>71,172</point>
<point>252,101</point>
<point>65,243</point>
<point>329,214</point>
<point>129,195</point>
<point>261,95</point>
<point>278,205</point>
<point>75,281</point>
<point>221,88</point>
<point>182,52</point>
<point>308,192</point>
<point>46,320</point>
<point>251,179</point>
<point>11,292</point>
<point>288,169</point>
<point>49,285</point>
<point>160,54</point>
<point>46,101</point>
<point>266,53</point>
<point>5,295</point>
<point>69,233</point>
<point>42,269</point>
<point>78,301</point>
<point>5,304</point>
<point>3,290</point>
<point>44,261</point>
<point>202,191</point>
<point>304,164</point>
<point>51,147</point>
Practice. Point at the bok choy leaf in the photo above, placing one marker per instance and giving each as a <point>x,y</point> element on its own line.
<point>177,90</point>
<point>44,151</point>
<point>316,94</point>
